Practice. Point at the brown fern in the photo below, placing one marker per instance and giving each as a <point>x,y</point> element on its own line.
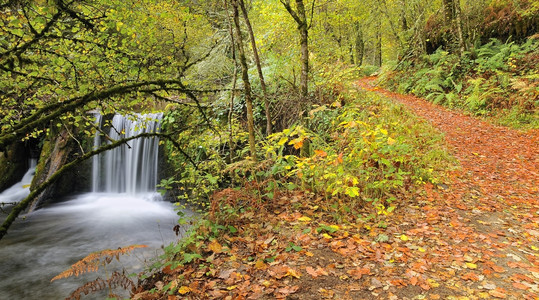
<point>92,262</point>
<point>116,280</point>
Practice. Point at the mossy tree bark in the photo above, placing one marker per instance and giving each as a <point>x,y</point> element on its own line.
<point>245,78</point>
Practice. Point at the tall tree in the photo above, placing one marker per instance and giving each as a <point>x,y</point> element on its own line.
<point>245,78</point>
<point>258,65</point>
<point>453,19</point>
<point>359,45</point>
<point>300,17</point>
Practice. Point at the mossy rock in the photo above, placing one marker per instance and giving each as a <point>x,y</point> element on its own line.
<point>13,165</point>
<point>58,149</point>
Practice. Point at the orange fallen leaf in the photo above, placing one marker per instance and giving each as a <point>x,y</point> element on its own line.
<point>316,273</point>
<point>287,290</point>
<point>470,276</point>
<point>498,269</point>
<point>520,286</point>
<point>413,280</point>
<point>498,293</point>
<point>358,272</point>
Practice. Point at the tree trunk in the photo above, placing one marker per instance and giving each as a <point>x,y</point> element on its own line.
<point>300,17</point>
<point>245,78</point>
<point>258,66</point>
<point>458,25</point>
<point>234,85</point>
<point>304,43</point>
<point>378,47</point>
<point>453,20</point>
<point>360,46</point>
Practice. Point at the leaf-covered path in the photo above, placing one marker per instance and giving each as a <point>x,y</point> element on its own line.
<point>489,212</point>
<point>475,236</point>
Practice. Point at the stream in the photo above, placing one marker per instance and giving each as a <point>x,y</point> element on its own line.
<point>49,240</point>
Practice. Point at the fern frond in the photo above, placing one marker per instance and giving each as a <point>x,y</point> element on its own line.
<point>92,262</point>
<point>88,288</point>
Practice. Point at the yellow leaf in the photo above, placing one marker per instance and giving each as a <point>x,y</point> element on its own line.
<point>260,265</point>
<point>433,283</point>
<point>304,219</point>
<point>215,246</point>
<point>327,236</point>
<point>404,237</point>
<point>310,254</point>
<point>421,249</point>
<point>534,248</point>
<point>471,266</point>
<point>282,141</point>
<point>231,287</point>
<point>184,290</point>
<point>266,283</point>
<point>293,273</point>
<point>336,227</point>
<point>391,141</point>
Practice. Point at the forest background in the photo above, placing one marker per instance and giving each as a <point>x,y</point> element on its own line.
<point>259,96</point>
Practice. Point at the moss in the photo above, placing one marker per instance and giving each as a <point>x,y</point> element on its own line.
<point>46,152</point>
<point>12,165</point>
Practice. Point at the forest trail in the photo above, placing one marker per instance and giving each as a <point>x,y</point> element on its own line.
<point>488,215</point>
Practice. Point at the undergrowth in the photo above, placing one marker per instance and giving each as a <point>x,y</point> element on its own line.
<point>497,80</point>
<point>362,151</point>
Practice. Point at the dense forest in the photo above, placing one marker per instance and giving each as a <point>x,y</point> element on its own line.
<point>297,134</point>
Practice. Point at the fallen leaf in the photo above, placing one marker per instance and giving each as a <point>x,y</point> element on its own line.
<point>520,286</point>
<point>293,273</point>
<point>225,274</point>
<point>260,265</point>
<point>304,219</point>
<point>498,293</point>
<point>316,273</point>
<point>470,276</point>
<point>498,269</point>
<point>184,290</point>
<point>357,273</point>
<point>471,265</point>
<point>215,247</point>
<point>285,291</point>
<point>329,294</point>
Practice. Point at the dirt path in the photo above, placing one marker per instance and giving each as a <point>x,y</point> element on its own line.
<point>490,210</point>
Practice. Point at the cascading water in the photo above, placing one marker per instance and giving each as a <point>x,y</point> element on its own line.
<point>122,210</point>
<point>21,189</point>
<point>132,167</point>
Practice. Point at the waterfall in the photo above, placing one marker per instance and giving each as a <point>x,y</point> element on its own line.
<point>20,190</point>
<point>132,167</point>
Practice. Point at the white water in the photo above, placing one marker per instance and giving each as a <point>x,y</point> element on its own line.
<point>20,190</point>
<point>132,167</point>
<point>123,210</point>
<point>49,240</point>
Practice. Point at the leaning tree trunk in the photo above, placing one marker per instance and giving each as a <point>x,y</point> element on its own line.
<point>258,66</point>
<point>245,78</point>
<point>234,85</point>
